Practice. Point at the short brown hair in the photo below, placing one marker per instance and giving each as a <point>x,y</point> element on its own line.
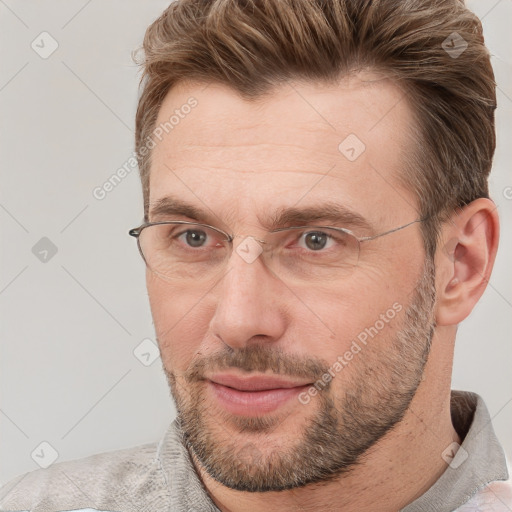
<point>253,45</point>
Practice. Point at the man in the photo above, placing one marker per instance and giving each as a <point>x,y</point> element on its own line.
<point>317,224</point>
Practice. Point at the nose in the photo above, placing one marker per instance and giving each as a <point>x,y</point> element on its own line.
<point>248,308</point>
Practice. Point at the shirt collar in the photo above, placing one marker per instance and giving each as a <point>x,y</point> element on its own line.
<point>479,461</point>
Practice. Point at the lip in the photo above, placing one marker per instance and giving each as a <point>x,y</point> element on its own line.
<point>254,395</point>
<point>255,382</point>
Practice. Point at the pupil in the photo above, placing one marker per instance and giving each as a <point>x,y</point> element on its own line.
<point>196,238</point>
<point>316,241</point>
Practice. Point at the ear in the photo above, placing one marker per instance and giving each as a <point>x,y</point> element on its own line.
<point>464,259</point>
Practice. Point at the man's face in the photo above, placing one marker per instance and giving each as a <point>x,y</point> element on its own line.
<point>243,349</point>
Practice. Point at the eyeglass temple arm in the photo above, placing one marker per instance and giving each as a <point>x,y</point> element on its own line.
<point>366,238</point>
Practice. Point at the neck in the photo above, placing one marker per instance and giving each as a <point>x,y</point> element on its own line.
<point>399,468</point>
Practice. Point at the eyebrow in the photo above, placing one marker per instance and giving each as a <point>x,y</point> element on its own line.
<point>327,212</point>
<point>174,207</point>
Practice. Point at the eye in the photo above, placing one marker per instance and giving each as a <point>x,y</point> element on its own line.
<point>193,237</point>
<point>315,240</point>
<point>199,237</point>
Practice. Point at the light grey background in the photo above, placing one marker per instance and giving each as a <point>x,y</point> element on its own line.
<point>69,326</point>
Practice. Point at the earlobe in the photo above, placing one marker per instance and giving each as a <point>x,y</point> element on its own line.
<point>465,259</point>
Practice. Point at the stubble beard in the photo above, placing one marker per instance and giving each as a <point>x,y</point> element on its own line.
<point>333,439</point>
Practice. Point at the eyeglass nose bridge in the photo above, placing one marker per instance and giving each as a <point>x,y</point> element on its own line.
<point>261,241</point>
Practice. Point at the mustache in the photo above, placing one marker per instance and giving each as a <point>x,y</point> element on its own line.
<point>257,358</point>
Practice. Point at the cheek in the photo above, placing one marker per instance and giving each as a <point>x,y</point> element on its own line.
<point>359,316</point>
<point>180,322</point>
<point>362,345</point>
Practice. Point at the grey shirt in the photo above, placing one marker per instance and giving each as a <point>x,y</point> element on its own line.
<point>161,476</point>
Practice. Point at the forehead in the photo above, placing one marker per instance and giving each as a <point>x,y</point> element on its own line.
<point>303,142</point>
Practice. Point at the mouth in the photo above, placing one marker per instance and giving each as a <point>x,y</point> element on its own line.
<point>254,395</point>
